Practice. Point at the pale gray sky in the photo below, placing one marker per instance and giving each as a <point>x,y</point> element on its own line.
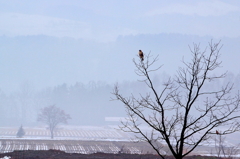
<point>105,20</point>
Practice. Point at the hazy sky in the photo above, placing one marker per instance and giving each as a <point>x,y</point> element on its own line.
<point>105,20</point>
<point>84,35</point>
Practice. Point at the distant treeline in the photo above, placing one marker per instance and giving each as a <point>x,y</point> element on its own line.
<point>87,104</point>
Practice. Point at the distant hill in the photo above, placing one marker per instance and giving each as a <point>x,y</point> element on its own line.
<point>47,61</point>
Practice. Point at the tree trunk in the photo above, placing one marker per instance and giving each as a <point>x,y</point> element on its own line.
<point>51,131</point>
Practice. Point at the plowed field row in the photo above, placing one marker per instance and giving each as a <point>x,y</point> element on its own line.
<point>75,146</point>
<point>80,133</point>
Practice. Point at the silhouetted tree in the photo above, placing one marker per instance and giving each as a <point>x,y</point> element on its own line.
<point>20,132</point>
<point>26,99</point>
<point>223,149</point>
<point>52,116</point>
<point>182,113</point>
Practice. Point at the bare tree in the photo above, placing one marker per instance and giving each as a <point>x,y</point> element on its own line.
<point>25,97</point>
<point>222,149</point>
<point>52,116</point>
<point>183,113</point>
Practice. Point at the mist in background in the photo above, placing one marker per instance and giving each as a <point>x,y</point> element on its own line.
<point>71,53</point>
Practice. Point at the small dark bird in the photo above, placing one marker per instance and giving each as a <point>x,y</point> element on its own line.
<point>141,55</point>
<point>217,132</point>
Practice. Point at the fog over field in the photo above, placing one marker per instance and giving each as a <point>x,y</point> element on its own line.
<point>71,53</point>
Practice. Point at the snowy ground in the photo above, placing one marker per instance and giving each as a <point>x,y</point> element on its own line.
<point>76,146</point>
<point>70,132</point>
<point>71,139</point>
<point>84,139</point>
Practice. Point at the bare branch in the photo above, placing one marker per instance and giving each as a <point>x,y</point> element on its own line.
<point>184,112</point>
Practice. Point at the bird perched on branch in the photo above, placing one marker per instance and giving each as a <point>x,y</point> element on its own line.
<point>141,55</point>
<point>217,132</point>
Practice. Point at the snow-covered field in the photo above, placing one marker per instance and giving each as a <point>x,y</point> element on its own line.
<point>83,140</point>
<point>75,146</point>
<point>73,133</point>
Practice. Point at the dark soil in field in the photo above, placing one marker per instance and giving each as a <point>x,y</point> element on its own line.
<point>56,154</point>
